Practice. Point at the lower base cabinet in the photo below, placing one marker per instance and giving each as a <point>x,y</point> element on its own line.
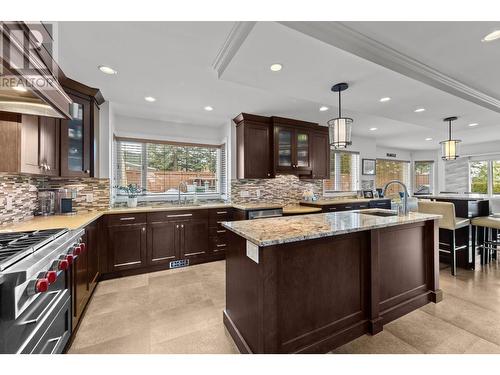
<point>162,242</point>
<point>127,246</point>
<point>85,272</point>
<point>151,241</point>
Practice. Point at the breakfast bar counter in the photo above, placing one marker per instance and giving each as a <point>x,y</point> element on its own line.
<point>310,283</point>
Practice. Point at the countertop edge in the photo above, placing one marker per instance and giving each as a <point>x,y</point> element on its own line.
<point>267,243</point>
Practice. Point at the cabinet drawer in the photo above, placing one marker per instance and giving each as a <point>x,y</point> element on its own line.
<point>219,230</point>
<point>382,203</point>
<point>360,206</point>
<point>339,207</point>
<point>218,244</point>
<point>176,215</point>
<point>219,214</point>
<point>124,219</point>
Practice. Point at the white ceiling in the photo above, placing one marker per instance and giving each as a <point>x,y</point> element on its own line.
<point>172,61</point>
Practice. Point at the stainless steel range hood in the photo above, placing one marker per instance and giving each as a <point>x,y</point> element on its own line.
<point>29,77</point>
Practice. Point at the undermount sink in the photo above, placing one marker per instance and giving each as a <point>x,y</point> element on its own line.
<point>380,213</point>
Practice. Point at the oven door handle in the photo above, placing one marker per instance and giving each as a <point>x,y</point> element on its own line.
<point>42,314</point>
<point>57,340</point>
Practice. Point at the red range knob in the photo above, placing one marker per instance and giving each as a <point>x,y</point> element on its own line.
<point>63,265</point>
<point>69,259</point>
<point>77,250</point>
<point>41,285</point>
<point>83,247</point>
<point>51,277</point>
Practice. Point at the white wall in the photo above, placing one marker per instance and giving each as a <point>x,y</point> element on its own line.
<point>105,142</point>
<point>169,131</point>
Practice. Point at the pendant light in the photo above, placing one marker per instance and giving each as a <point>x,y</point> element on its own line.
<point>339,129</point>
<point>449,148</point>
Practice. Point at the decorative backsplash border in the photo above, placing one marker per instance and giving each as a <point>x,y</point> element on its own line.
<point>284,189</point>
<point>19,194</point>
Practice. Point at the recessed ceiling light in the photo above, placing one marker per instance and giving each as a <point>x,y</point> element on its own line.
<point>150,99</point>
<point>473,124</point>
<point>385,99</point>
<point>20,88</point>
<point>276,67</point>
<point>323,108</point>
<point>107,69</point>
<point>420,110</point>
<point>373,129</point>
<point>428,139</point>
<point>491,36</point>
<point>208,108</point>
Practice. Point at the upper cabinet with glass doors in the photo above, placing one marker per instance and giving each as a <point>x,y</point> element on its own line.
<point>77,133</point>
<point>293,148</point>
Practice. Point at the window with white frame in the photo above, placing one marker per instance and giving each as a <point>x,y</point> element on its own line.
<point>160,167</point>
<point>424,177</point>
<point>484,176</point>
<point>344,172</point>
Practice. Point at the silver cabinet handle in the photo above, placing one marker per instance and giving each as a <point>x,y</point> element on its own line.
<point>333,208</point>
<point>180,215</point>
<point>143,229</point>
<point>182,225</point>
<point>222,245</point>
<point>221,212</point>
<point>127,218</point>
<point>221,231</point>
<point>177,226</point>
<point>348,206</point>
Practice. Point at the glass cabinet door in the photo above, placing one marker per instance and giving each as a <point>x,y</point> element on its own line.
<point>285,148</point>
<point>302,149</point>
<point>75,141</point>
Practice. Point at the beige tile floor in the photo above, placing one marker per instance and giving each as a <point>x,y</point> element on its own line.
<point>180,311</point>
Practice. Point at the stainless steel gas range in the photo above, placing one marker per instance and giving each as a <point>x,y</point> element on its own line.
<point>35,289</point>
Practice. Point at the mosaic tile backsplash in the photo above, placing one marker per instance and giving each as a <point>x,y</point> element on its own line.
<point>18,194</point>
<point>284,189</point>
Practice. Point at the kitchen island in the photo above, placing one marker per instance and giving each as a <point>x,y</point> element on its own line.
<point>310,283</point>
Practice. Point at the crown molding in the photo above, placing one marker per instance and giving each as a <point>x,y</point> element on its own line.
<point>231,45</point>
<point>342,36</point>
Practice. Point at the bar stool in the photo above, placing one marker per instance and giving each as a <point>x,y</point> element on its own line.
<point>448,222</point>
<point>488,223</point>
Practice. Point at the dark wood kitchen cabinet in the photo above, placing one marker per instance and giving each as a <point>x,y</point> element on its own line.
<point>175,235</point>
<point>29,144</point>
<point>85,272</point>
<point>266,146</point>
<point>76,143</point>
<point>78,133</point>
<point>320,155</point>
<point>80,291</point>
<point>254,158</point>
<point>163,242</point>
<point>127,242</point>
<point>194,238</point>
<point>300,148</point>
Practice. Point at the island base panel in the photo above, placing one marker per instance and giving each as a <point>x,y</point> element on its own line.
<point>313,296</point>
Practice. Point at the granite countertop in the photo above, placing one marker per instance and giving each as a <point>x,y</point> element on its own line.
<point>80,220</point>
<point>459,197</point>
<point>70,222</point>
<point>299,210</point>
<point>275,231</point>
<point>327,202</point>
<point>256,206</point>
